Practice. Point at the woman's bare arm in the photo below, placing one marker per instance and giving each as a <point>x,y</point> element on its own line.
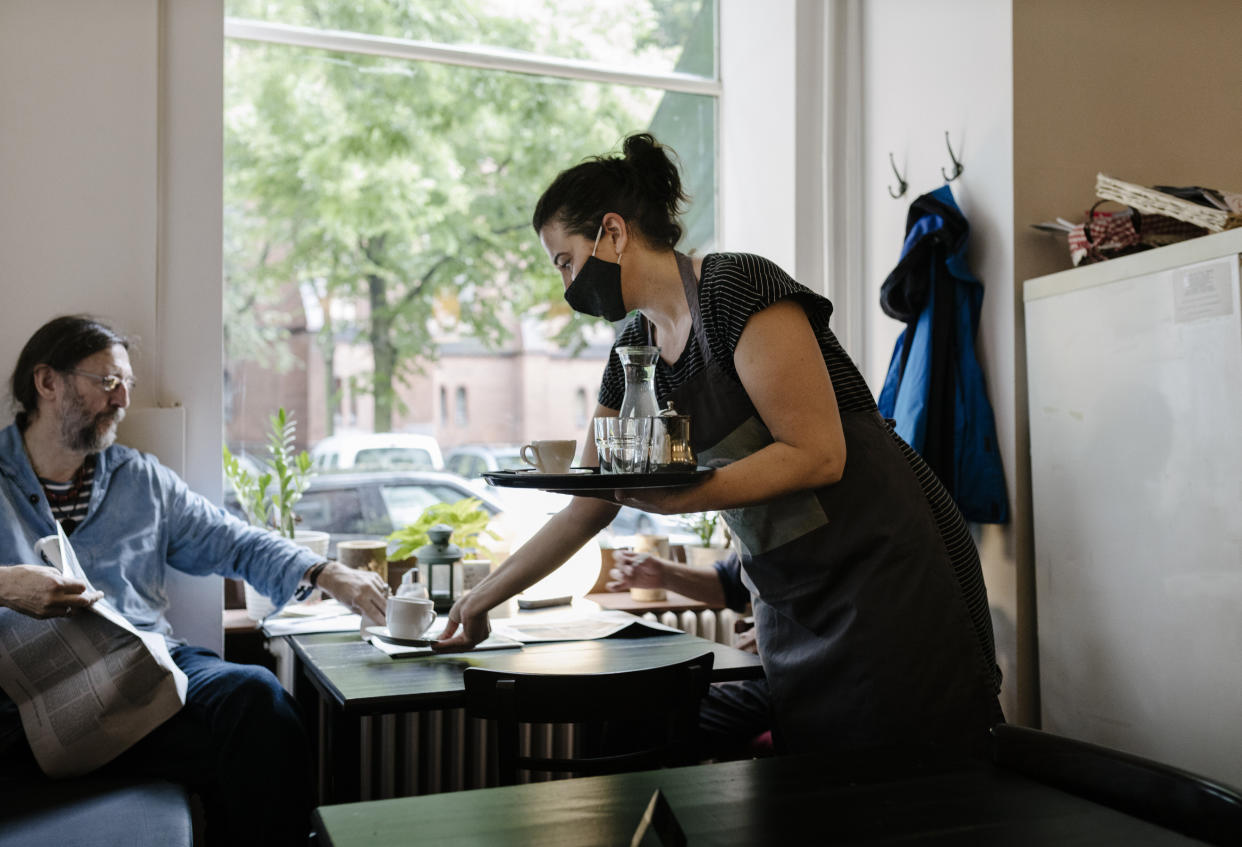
<point>547,550</point>
<point>780,364</point>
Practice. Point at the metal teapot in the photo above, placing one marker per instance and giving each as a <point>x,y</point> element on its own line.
<point>670,442</point>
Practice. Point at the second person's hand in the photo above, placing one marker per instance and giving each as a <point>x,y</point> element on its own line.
<point>464,630</point>
<point>635,570</point>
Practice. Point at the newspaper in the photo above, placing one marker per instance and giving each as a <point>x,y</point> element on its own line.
<point>304,618</point>
<point>397,650</point>
<point>573,625</point>
<point>88,686</point>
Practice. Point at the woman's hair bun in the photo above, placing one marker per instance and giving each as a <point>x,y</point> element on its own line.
<point>636,147</point>
<point>655,170</point>
<point>643,185</point>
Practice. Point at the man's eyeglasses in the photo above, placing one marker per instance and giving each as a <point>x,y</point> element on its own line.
<point>108,382</point>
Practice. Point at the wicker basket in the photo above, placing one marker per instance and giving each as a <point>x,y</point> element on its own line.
<point>1158,203</point>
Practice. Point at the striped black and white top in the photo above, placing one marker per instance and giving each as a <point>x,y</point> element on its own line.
<point>69,500</point>
<point>732,288</point>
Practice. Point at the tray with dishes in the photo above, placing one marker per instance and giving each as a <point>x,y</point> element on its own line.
<point>584,480</point>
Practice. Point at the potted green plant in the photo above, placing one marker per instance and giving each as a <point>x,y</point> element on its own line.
<point>713,536</point>
<point>470,523</point>
<point>268,497</point>
<point>467,517</point>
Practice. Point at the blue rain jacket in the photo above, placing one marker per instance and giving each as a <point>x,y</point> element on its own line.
<point>935,389</point>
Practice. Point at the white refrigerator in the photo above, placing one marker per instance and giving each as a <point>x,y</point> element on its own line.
<point>1135,387</point>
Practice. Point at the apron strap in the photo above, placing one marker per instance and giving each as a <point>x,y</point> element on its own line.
<point>691,285</point>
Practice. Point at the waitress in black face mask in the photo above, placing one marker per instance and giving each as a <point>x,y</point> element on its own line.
<point>871,615</point>
<point>596,288</point>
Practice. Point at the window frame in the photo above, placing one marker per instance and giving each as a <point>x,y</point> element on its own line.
<point>486,58</point>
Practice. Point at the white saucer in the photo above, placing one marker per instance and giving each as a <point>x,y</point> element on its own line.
<point>382,632</point>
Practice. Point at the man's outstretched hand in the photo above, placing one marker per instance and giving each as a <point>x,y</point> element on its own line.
<point>364,592</point>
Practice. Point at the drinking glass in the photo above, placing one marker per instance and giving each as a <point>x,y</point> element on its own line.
<point>602,448</point>
<point>630,447</point>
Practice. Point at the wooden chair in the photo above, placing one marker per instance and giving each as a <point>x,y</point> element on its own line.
<point>665,698</point>
<point>1175,799</point>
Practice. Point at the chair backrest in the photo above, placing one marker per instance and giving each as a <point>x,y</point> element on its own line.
<point>1175,799</point>
<point>664,699</point>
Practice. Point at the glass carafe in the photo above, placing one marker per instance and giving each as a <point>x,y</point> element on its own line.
<point>639,363</point>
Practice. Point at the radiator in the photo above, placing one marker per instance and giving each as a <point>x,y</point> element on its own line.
<point>712,625</point>
<point>454,752</point>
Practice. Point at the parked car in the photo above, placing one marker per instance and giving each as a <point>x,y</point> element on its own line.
<point>377,451</point>
<point>372,505</point>
<point>473,460</point>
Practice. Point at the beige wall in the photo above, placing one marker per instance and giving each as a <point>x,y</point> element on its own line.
<point>1141,90</point>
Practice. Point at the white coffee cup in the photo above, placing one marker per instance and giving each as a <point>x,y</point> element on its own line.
<point>409,617</point>
<point>550,456</point>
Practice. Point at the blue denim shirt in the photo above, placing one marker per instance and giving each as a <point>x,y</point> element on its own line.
<point>142,518</point>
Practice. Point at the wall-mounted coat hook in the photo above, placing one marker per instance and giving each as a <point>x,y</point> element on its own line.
<point>957,166</point>
<point>902,185</point>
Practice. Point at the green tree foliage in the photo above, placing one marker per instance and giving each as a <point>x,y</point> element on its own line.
<point>403,186</point>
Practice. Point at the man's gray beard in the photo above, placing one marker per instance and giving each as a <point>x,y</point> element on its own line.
<point>79,429</point>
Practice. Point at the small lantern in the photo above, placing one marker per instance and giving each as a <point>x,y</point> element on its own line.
<point>440,563</point>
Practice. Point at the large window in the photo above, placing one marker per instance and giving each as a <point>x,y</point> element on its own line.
<point>382,158</point>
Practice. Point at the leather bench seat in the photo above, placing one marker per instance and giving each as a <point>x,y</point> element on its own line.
<point>93,813</point>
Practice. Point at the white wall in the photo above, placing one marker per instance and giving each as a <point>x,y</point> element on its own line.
<point>788,140</point>
<point>758,162</point>
<point>928,68</point>
<point>110,139</point>
<point>79,134</point>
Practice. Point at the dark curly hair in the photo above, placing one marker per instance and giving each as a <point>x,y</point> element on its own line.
<point>642,185</point>
<point>61,343</point>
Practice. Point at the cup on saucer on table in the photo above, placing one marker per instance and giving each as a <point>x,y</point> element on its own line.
<point>550,456</point>
<point>410,617</point>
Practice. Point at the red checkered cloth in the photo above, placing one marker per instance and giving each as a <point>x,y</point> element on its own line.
<point>1106,235</point>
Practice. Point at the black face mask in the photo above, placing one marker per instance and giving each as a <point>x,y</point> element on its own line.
<point>596,290</point>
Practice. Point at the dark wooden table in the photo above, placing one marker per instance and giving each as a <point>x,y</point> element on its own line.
<point>351,679</point>
<point>783,801</point>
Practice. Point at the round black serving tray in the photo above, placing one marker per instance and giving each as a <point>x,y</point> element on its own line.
<point>583,480</point>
